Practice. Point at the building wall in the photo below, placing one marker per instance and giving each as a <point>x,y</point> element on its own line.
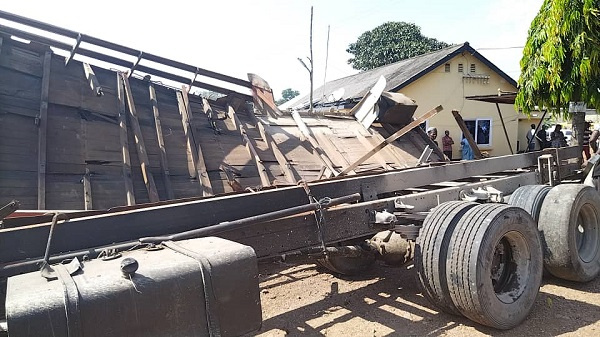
<point>450,88</point>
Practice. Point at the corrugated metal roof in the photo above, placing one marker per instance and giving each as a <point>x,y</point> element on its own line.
<point>397,75</point>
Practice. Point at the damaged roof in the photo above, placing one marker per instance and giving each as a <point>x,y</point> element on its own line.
<point>397,75</point>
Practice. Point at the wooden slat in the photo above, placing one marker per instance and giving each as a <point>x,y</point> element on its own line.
<point>139,142</point>
<point>164,164</point>
<point>284,164</point>
<point>87,190</point>
<point>316,148</point>
<point>194,153</point>
<point>92,79</point>
<point>393,137</point>
<point>262,171</point>
<point>466,133</point>
<point>42,132</point>
<point>126,161</point>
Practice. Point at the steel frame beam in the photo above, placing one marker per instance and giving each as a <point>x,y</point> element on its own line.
<point>22,243</point>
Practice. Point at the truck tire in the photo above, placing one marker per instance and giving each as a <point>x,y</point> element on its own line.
<point>494,265</point>
<point>570,235</point>
<point>530,198</point>
<point>349,266</point>
<point>431,251</point>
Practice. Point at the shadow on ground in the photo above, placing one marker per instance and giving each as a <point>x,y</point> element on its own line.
<point>387,302</point>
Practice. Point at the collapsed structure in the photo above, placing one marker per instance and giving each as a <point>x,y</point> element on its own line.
<point>147,175</point>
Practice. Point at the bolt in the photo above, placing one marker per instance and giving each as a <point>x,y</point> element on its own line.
<point>129,267</point>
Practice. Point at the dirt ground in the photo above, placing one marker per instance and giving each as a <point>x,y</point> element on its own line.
<point>305,300</point>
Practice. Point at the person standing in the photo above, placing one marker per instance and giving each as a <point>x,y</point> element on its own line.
<point>587,133</point>
<point>467,151</point>
<point>557,137</point>
<point>530,138</point>
<point>447,143</point>
<point>432,133</point>
<point>542,137</point>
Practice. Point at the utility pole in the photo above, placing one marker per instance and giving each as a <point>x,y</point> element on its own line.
<point>310,60</point>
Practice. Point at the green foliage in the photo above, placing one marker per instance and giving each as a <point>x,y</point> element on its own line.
<point>287,94</point>
<point>561,59</point>
<point>389,43</point>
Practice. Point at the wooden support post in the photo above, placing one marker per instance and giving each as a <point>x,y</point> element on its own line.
<point>126,162</point>
<point>194,153</point>
<point>139,142</point>
<point>92,80</point>
<point>467,134</point>
<point>43,130</point>
<point>286,167</point>
<point>87,190</point>
<point>262,171</point>
<point>164,164</point>
<point>504,128</point>
<point>393,137</point>
<point>316,148</point>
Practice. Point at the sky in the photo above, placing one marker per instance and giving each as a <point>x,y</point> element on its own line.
<point>266,37</point>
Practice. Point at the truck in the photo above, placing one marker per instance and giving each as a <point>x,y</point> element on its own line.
<point>480,233</point>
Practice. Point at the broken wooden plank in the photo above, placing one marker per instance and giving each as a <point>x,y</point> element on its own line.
<point>92,80</point>
<point>164,165</point>
<point>42,132</point>
<point>466,133</point>
<point>126,162</point>
<point>286,168</point>
<point>195,157</point>
<point>87,190</point>
<point>233,183</point>
<point>262,171</point>
<point>139,142</point>
<point>393,137</point>
<point>315,147</point>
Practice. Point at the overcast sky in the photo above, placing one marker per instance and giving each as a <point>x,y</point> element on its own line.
<point>267,36</point>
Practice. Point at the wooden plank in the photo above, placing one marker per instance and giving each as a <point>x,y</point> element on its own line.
<point>164,164</point>
<point>284,164</point>
<point>466,133</point>
<point>316,148</point>
<point>92,79</point>
<point>393,137</point>
<point>139,142</point>
<point>87,190</point>
<point>262,172</point>
<point>42,132</point>
<point>126,161</point>
<point>197,169</point>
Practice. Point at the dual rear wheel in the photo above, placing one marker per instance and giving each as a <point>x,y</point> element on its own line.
<point>485,261</point>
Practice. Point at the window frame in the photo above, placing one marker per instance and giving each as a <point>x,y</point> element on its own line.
<point>473,68</point>
<point>477,120</point>
<point>447,68</point>
<point>461,68</point>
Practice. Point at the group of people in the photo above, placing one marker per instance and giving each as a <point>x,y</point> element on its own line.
<point>447,142</point>
<point>540,139</point>
<point>557,139</point>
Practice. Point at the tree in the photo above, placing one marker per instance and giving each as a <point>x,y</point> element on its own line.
<point>389,43</point>
<point>287,94</point>
<point>561,61</point>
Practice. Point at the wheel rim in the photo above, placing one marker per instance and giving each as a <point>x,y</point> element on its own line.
<point>510,267</point>
<point>587,234</point>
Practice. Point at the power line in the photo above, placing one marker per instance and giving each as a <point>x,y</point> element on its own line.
<point>500,48</point>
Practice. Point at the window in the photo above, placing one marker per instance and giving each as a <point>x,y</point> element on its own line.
<point>472,67</point>
<point>447,67</point>
<point>424,125</point>
<point>460,68</point>
<point>481,130</point>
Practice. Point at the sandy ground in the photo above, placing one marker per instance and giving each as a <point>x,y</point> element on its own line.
<point>305,300</point>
